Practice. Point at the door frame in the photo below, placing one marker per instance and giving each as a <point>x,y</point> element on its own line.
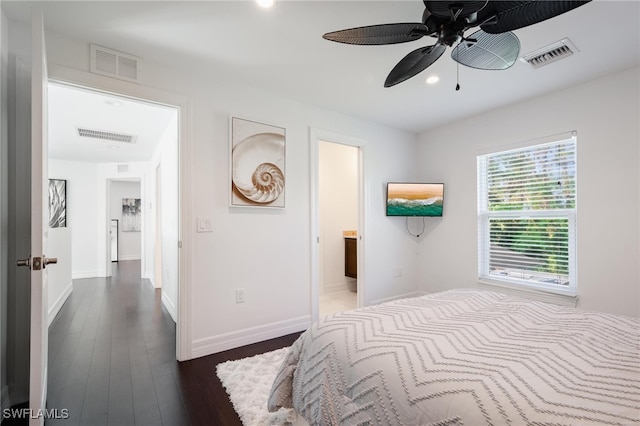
<point>74,77</point>
<point>108,182</point>
<point>315,137</point>
<point>38,354</point>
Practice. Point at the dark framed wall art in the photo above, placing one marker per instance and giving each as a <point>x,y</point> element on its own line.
<point>57,203</point>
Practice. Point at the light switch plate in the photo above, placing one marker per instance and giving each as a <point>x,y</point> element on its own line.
<point>204,224</point>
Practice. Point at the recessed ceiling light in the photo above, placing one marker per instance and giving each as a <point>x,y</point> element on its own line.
<point>265,3</point>
<point>433,79</point>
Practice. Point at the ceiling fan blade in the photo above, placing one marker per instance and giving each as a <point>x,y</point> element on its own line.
<point>380,34</point>
<point>414,63</point>
<point>457,9</point>
<point>488,51</point>
<point>502,16</point>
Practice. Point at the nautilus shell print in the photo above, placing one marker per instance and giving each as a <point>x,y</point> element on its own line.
<point>258,162</point>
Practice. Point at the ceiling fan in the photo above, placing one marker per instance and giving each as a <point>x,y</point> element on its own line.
<point>492,47</point>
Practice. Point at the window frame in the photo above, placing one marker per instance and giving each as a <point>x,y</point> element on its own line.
<point>484,215</point>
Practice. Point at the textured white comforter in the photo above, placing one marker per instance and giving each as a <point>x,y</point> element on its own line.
<point>464,357</point>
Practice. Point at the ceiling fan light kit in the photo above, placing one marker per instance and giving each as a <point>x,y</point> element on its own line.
<point>493,47</point>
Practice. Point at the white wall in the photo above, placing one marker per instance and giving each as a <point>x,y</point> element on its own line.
<point>605,114</point>
<point>166,156</point>
<point>59,276</point>
<point>275,243</point>
<point>338,198</point>
<point>129,243</point>
<point>87,210</point>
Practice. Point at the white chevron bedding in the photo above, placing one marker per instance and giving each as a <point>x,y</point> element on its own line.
<point>464,357</point>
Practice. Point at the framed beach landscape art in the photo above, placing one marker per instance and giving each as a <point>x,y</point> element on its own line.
<point>257,164</point>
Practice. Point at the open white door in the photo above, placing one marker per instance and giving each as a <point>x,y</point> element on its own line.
<point>37,262</point>
<point>39,219</point>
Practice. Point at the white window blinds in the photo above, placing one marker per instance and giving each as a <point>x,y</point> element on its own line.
<point>526,216</point>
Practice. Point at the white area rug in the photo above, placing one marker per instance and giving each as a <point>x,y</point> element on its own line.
<point>248,382</point>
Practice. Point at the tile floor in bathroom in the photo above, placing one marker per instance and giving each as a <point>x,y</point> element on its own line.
<point>337,302</point>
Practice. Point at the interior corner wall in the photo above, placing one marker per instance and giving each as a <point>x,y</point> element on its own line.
<point>87,210</point>
<point>82,220</point>
<point>170,178</point>
<point>338,198</point>
<point>129,242</point>
<point>604,112</point>
<point>265,251</point>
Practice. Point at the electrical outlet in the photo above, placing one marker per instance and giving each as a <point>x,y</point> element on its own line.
<point>240,295</point>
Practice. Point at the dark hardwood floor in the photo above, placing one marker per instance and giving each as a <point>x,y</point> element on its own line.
<point>112,360</point>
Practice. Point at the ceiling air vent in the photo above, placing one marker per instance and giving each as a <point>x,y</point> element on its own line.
<point>551,53</point>
<point>115,64</point>
<point>105,136</point>
<point>123,168</point>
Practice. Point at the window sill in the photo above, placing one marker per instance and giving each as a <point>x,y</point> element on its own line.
<point>537,295</point>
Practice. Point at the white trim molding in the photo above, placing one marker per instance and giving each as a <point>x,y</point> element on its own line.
<point>171,307</point>
<point>78,275</point>
<point>316,135</point>
<point>247,336</point>
<point>398,297</point>
<point>183,104</point>
<point>536,295</point>
<point>57,305</point>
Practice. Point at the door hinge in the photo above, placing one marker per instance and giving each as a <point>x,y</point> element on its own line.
<point>179,244</point>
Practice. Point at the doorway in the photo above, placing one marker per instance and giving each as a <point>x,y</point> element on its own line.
<point>338,218</point>
<point>338,262</point>
<point>135,142</point>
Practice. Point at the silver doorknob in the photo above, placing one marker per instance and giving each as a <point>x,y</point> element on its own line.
<point>24,262</point>
<point>49,261</point>
<point>37,263</point>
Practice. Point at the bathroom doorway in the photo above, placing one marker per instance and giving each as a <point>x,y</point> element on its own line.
<point>338,202</point>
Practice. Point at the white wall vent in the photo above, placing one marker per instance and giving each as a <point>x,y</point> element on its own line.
<point>551,53</point>
<point>115,64</point>
<point>123,168</point>
<point>83,132</point>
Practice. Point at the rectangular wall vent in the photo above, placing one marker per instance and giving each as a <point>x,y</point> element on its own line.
<point>105,136</point>
<point>551,53</point>
<point>115,64</point>
<point>123,168</point>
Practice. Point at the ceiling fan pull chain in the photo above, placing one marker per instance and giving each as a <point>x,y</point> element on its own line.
<point>457,70</point>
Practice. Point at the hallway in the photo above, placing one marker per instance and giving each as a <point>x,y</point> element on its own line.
<point>112,359</point>
<point>112,354</point>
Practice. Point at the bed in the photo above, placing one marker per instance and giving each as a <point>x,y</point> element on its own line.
<point>464,357</point>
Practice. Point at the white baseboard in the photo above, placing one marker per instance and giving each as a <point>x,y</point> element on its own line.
<point>399,296</point>
<point>76,275</point>
<point>335,287</point>
<point>247,336</point>
<point>171,307</point>
<point>57,305</point>
<point>128,257</point>
<point>6,401</point>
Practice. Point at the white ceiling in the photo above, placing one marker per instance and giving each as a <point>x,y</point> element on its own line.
<point>281,50</point>
<point>71,108</point>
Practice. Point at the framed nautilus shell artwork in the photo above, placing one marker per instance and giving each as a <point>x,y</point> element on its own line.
<point>257,164</point>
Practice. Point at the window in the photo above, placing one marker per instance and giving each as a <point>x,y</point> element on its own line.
<point>527,216</point>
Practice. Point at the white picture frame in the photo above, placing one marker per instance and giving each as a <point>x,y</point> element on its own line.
<point>257,164</point>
